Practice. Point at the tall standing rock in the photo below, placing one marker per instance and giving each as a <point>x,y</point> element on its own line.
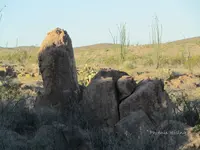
<point>57,66</point>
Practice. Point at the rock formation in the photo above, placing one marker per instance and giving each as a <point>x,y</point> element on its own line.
<point>151,98</point>
<point>140,113</point>
<point>57,67</point>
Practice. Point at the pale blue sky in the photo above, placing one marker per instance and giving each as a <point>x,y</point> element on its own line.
<point>88,21</point>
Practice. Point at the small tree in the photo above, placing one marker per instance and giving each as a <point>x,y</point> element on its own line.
<point>114,38</point>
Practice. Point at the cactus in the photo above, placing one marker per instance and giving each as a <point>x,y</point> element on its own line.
<point>86,74</point>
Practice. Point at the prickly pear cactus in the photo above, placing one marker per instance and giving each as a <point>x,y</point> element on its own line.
<point>85,74</point>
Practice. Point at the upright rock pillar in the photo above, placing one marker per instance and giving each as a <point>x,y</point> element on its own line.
<point>57,67</point>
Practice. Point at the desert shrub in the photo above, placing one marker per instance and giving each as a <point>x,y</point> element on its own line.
<point>16,117</point>
<point>135,59</point>
<point>171,61</point>
<point>20,57</point>
<point>132,56</point>
<point>129,64</point>
<point>108,141</point>
<point>102,139</point>
<point>198,42</point>
<point>111,60</point>
<point>177,60</point>
<point>192,62</point>
<point>148,60</point>
<point>188,112</point>
<point>9,90</point>
<point>164,61</point>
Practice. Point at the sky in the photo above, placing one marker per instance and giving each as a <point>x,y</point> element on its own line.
<point>88,22</point>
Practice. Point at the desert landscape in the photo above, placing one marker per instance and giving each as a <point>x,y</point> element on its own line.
<point>59,97</point>
<point>105,96</point>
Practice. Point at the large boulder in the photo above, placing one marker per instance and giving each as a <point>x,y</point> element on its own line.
<point>136,127</point>
<point>100,102</point>
<point>151,97</point>
<point>100,98</point>
<point>57,66</point>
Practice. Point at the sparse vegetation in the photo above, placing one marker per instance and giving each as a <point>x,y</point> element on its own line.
<point>25,125</point>
<point>196,128</point>
<point>156,41</point>
<point>124,40</point>
<point>9,90</point>
<point>86,74</point>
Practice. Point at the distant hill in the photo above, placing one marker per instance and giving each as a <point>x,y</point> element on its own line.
<point>187,40</point>
<point>193,40</point>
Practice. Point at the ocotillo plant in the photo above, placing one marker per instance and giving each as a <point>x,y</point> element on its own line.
<point>123,40</point>
<point>156,40</point>
<point>1,12</point>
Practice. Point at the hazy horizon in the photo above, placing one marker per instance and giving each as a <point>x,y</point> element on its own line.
<point>88,22</point>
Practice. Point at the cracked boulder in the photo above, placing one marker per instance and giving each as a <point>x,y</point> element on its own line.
<point>150,97</point>
<point>107,72</point>
<point>100,98</point>
<point>100,102</point>
<point>126,86</point>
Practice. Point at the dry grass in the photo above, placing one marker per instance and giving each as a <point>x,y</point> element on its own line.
<point>138,58</point>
